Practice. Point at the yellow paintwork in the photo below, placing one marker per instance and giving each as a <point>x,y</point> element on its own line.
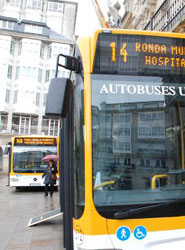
<point>91,222</point>
<point>104,184</point>
<point>158,176</point>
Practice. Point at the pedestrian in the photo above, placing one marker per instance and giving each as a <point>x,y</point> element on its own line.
<point>50,177</point>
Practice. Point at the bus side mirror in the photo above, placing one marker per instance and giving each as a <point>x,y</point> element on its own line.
<point>58,98</point>
<point>6,150</point>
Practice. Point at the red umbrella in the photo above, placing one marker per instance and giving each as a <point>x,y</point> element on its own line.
<point>50,157</point>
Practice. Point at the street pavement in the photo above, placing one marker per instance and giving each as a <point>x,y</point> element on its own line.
<point>17,207</point>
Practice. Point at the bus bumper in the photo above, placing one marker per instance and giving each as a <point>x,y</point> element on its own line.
<point>20,180</point>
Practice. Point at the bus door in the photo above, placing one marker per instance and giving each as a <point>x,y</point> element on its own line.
<point>66,191</point>
<point>63,108</point>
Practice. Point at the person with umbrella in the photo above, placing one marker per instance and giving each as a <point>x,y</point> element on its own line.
<point>50,177</point>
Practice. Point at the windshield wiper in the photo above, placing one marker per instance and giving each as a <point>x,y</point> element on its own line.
<point>25,171</point>
<point>134,211</point>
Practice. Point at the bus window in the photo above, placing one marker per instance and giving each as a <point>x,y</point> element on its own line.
<point>29,159</point>
<point>143,128</point>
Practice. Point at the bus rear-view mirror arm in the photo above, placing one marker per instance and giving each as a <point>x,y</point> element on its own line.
<point>7,149</point>
<point>68,62</point>
<point>60,89</point>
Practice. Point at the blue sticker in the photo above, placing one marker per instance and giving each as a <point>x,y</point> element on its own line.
<point>123,233</point>
<point>140,232</point>
<point>18,175</point>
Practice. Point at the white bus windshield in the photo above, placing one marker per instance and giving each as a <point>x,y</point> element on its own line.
<point>28,159</point>
<point>138,139</point>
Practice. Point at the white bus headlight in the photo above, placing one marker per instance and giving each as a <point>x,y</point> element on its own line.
<point>14,179</point>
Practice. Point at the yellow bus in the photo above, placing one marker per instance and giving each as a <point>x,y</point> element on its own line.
<point>25,159</point>
<point>123,141</point>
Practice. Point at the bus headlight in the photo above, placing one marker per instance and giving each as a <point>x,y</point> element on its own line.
<point>14,179</point>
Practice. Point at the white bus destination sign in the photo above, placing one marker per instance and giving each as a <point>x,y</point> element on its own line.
<point>139,54</point>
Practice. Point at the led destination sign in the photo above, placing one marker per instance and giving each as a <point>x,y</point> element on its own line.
<point>35,141</point>
<point>139,54</point>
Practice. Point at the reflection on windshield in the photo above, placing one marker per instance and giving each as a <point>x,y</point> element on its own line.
<point>138,139</point>
<point>28,159</point>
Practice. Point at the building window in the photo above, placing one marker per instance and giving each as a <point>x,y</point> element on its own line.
<point>15,124</point>
<point>66,51</point>
<point>19,49</point>
<point>145,163</point>
<point>15,96</point>
<point>50,127</point>
<point>9,75</point>
<point>45,126</point>
<point>7,97</point>
<point>127,162</point>
<point>29,71</point>
<point>13,3</point>
<point>42,51</point>
<point>17,72</point>
<point>34,121</point>
<point>6,25</point>
<point>157,163</point>
<point>37,99</point>
<point>55,7</point>
<point>4,122</point>
<point>53,74</point>
<point>44,101</point>
<point>49,52</point>
<point>53,127</point>
<point>12,47</point>
<point>163,163</point>
<point>34,72</point>
<point>151,125</point>
<point>160,164</point>
<point>40,75</point>
<point>55,51</point>
<point>34,4</point>
<point>47,75</point>
<point>33,29</point>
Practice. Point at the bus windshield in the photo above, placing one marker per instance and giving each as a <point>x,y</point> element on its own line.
<point>28,159</point>
<point>138,139</point>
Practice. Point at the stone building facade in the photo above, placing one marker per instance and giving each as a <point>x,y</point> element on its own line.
<point>32,34</point>
<point>159,15</point>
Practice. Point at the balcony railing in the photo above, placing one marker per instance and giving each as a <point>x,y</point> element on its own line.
<point>170,13</point>
<point>27,130</point>
<point>52,131</point>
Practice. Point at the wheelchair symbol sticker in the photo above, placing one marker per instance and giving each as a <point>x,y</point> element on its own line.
<point>123,233</point>
<point>140,232</point>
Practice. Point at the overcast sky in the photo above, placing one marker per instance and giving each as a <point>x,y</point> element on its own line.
<point>87,20</point>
